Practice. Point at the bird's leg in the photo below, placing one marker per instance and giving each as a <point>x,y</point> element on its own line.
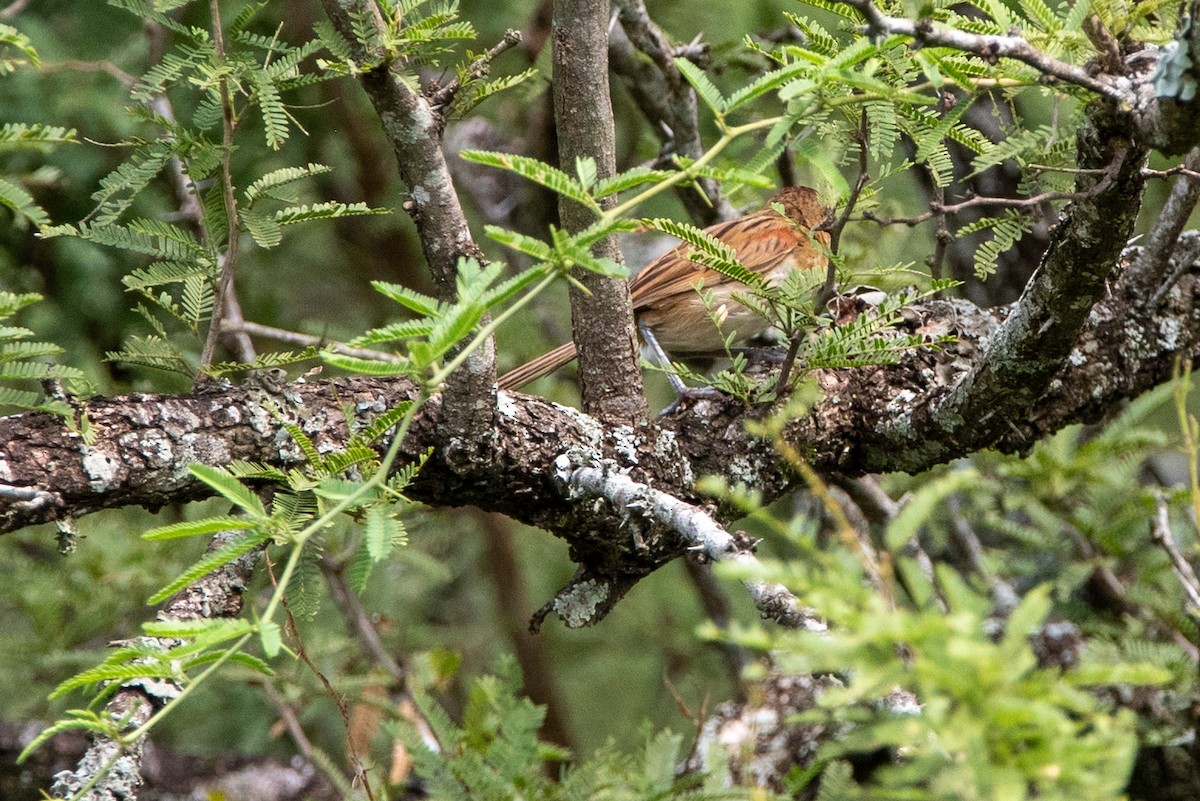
<point>660,356</point>
<point>682,390</point>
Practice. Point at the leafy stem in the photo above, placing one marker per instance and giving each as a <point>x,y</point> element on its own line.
<point>728,134</point>
<point>488,330</point>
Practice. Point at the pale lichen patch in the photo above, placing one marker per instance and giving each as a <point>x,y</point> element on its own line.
<point>101,469</point>
<point>577,605</point>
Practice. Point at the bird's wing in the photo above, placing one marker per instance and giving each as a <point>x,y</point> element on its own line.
<point>761,240</point>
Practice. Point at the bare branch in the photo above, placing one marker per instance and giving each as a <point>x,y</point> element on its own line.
<point>1160,531</point>
<point>991,48</point>
<point>1160,244</point>
<point>304,340</point>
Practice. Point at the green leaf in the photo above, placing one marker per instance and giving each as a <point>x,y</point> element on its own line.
<point>209,630</point>
<point>421,304</point>
<point>264,228</point>
<point>271,638</point>
<point>11,37</point>
<point>522,243</point>
<point>539,172</point>
<point>585,169</point>
<point>767,82</point>
<point>325,211</point>
<point>192,528</point>
<point>18,135</point>
<point>21,203</point>
<point>631,178</point>
<point>231,489</point>
<point>121,674</point>
<point>77,720</point>
<point>277,183</point>
<point>353,364</point>
<point>924,502</point>
<point>237,547</point>
<point>708,250</point>
<point>706,90</point>
<point>1024,621</point>
<point>275,120</point>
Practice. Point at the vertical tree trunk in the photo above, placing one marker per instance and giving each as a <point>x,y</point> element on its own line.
<point>603,320</point>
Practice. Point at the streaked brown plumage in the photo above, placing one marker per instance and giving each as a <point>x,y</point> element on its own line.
<point>664,292</point>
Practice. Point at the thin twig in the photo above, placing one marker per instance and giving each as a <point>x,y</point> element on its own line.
<point>304,340</point>
<point>360,771</point>
<point>937,209</point>
<point>1155,257</point>
<point>1160,532</point>
<point>229,257</point>
<point>991,48</point>
<point>13,8</point>
<point>441,98</point>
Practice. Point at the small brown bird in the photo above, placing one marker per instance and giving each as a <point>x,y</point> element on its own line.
<point>664,293</point>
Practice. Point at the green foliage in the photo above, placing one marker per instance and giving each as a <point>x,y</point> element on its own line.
<point>1006,231</point>
<point>16,50</point>
<point>20,362</point>
<point>495,754</point>
<point>20,136</point>
<point>992,723</point>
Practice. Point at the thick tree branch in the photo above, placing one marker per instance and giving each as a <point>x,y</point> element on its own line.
<point>142,444</point>
<point>1035,340</point>
<point>602,317</point>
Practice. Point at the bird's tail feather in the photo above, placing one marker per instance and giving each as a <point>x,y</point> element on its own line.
<point>542,365</point>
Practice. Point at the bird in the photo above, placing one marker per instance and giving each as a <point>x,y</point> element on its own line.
<point>664,293</point>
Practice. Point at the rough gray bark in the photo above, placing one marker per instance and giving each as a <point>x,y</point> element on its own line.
<point>602,317</point>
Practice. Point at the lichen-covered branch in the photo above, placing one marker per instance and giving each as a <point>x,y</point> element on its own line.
<point>114,771</point>
<point>142,444</point>
<point>1037,336</point>
<point>1017,48</point>
<point>701,532</point>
